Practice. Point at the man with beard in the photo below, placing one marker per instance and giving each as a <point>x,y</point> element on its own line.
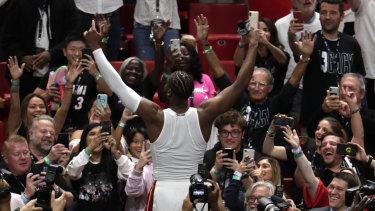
<point>42,140</point>
<point>334,55</point>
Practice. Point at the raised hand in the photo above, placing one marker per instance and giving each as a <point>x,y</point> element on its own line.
<point>160,30</point>
<point>56,152</point>
<point>89,65</point>
<point>291,137</point>
<point>93,37</point>
<point>98,140</point>
<point>201,23</point>
<point>361,153</point>
<point>144,158</point>
<point>104,113</point>
<point>331,102</point>
<point>113,147</point>
<point>127,115</point>
<point>350,97</point>
<point>294,27</point>
<point>306,45</point>
<point>103,22</point>
<point>74,70</point>
<point>14,69</point>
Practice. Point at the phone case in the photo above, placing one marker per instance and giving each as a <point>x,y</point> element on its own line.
<point>298,15</point>
<point>102,98</point>
<point>254,18</point>
<point>346,149</point>
<point>175,44</point>
<point>248,153</point>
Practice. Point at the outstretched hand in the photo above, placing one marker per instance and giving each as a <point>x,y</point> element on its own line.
<point>291,137</point>
<point>306,45</point>
<point>14,69</point>
<point>74,70</point>
<point>104,22</point>
<point>201,23</point>
<point>93,37</point>
<point>160,30</point>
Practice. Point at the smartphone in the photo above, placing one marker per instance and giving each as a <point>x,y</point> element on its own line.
<point>346,149</point>
<point>254,18</point>
<point>103,98</point>
<point>106,127</point>
<point>63,138</point>
<point>248,154</point>
<point>229,151</point>
<point>283,121</point>
<point>86,51</point>
<point>333,90</point>
<point>279,191</point>
<point>298,15</point>
<point>175,44</point>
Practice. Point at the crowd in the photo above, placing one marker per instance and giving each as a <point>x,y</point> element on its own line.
<point>83,136</point>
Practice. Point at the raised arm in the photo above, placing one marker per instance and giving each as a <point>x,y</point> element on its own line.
<point>306,47</point>
<point>15,104</point>
<point>269,148</point>
<point>201,23</point>
<point>276,52</point>
<point>311,182</point>
<point>150,112</point>
<point>292,37</point>
<point>70,75</point>
<point>209,109</point>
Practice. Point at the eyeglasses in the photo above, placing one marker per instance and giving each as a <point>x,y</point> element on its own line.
<point>260,84</point>
<point>253,198</point>
<point>233,133</point>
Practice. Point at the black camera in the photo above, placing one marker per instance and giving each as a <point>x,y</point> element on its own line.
<point>199,188</point>
<point>272,203</point>
<point>364,190</point>
<point>4,192</point>
<point>243,27</point>
<point>43,193</point>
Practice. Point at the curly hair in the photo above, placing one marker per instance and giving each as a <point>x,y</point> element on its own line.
<point>231,117</point>
<point>181,84</point>
<point>195,68</point>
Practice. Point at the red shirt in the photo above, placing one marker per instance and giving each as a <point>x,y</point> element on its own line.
<point>321,196</point>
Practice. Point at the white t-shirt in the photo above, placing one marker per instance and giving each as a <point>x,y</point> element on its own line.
<point>364,31</point>
<point>282,26</point>
<point>98,6</point>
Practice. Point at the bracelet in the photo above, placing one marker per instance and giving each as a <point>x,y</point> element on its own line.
<point>24,199</point>
<point>271,134</point>
<point>160,44</point>
<point>298,155</point>
<point>87,152</point>
<point>369,160</point>
<point>208,50</point>
<point>165,75</point>
<point>105,40</point>
<point>237,175</point>
<point>298,151</point>
<point>98,76</point>
<point>121,124</point>
<point>304,60</point>
<point>48,162</point>
<point>241,45</point>
<point>15,83</point>
<point>356,110</point>
<point>214,171</point>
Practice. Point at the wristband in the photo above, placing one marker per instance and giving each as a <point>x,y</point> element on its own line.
<point>98,76</point>
<point>214,171</point>
<point>87,152</point>
<point>208,50</point>
<point>298,151</point>
<point>165,75</point>
<point>298,155</point>
<point>105,40</point>
<point>241,45</point>
<point>121,124</point>
<point>271,134</point>
<point>15,83</point>
<point>355,111</point>
<point>236,175</point>
<point>48,162</point>
<point>24,199</point>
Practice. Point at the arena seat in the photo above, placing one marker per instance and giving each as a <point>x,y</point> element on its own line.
<point>272,9</point>
<point>222,18</point>
<point>288,185</point>
<point>224,45</point>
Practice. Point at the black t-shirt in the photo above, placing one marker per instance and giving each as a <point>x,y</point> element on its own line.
<point>329,61</point>
<point>84,91</point>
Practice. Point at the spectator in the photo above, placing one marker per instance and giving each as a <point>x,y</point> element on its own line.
<point>189,62</point>
<point>140,181</point>
<point>364,32</point>
<point>154,11</point>
<point>85,87</point>
<point>290,31</point>
<point>271,54</point>
<point>180,131</point>
<point>33,104</point>
<point>334,55</point>
<point>27,177</point>
<point>257,191</point>
<point>349,111</point>
<point>35,31</point>
<point>95,171</point>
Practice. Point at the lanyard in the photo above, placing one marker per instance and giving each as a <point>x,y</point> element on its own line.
<point>157,6</point>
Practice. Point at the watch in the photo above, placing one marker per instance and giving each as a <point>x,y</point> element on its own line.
<point>304,60</point>
<point>369,160</point>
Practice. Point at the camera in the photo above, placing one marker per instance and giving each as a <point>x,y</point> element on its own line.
<point>199,188</point>
<point>272,203</point>
<point>364,190</point>
<point>43,194</point>
<point>243,27</point>
<point>4,192</point>
<point>283,121</point>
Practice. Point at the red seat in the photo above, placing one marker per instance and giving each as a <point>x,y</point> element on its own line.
<point>224,45</point>
<point>222,18</point>
<point>288,185</point>
<point>272,9</point>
